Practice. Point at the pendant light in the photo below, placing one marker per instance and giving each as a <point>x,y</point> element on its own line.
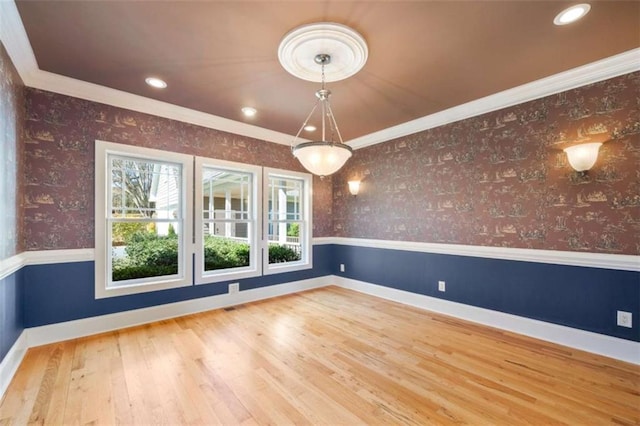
<point>305,52</point>
<point>326,156</point>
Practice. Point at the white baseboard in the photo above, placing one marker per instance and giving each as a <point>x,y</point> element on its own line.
<point>608,346</point>
<point>58,332</point>
<point>12,361</point>
<point>612,347</point>
<point>37,336</point>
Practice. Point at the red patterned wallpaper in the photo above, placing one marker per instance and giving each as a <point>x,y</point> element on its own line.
<point>502,179</point>
<point>60,137</point>
<point>11,155</point>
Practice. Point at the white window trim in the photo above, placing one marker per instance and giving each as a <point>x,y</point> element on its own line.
<point>307,248</point>
<point>254,268</point>
<point>102,244</point>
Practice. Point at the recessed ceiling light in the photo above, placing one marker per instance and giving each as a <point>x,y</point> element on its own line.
<point>310,128</point>
<point>249,111</point>
<point>155,82</point>
<point>572,14</point>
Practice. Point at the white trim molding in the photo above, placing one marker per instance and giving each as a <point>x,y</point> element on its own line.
<point>583,340</point>
<point>47,257</point>
<point>15,40</point>
<point>12,264</point>
<point>43,335</point>
<point>12,361</point>
<point>612,347</point>
<point>58,332</point>
<point>623,262</point>
<point>321,241</point>
<point>614,66</point>
<point>14,37</point>
<point>43,257</point>
<point>56,83</point>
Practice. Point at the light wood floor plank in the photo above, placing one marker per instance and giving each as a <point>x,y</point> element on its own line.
<point>329,356</point>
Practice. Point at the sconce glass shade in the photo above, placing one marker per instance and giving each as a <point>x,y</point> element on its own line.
<point>354,187</point>
<point>583,157</point>
<point>322,158</point>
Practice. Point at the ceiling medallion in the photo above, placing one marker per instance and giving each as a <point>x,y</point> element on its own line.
<point>320,53</point>
<point>299,47</point>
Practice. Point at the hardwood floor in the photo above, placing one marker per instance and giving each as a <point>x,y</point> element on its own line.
<point>329,356</point>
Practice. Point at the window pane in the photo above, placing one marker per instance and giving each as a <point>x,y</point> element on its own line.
<point>228,222</point>
<point>285,199</point>
<point>284,217</point>
<point>144,189</point>
<point>227,229</point>
<point>281,253</point>
<point>226,195</point>
<point>142,249</point>
<point>225,253</point>
<point>284,242</point>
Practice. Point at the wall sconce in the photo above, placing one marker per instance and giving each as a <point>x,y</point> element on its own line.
<point>582,157</point>
<point>354,187</point>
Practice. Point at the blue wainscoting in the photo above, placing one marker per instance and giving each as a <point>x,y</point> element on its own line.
<point>577,297</point>
<point>11,311</point>
<point>65,291</point>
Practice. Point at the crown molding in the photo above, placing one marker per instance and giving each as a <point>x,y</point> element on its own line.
<point>604,69</point>
<point>51,82</point>
<point>16,42</point>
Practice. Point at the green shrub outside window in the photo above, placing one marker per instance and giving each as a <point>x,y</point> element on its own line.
<point>152,255</point>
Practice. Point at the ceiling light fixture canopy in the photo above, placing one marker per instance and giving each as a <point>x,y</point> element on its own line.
<point>303,52</point>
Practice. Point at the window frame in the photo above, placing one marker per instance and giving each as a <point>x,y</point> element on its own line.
<point>103,151</point>
<point>254,231</point>
<point>306,230</point>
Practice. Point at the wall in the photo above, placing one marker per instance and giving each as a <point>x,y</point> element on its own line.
<point>11,124</point>
<point>502,180</point>
<point>59,196</point>
<point>496,180</point>
<point>60,137</point>
<point>573,296</point>
<point>65,291</point>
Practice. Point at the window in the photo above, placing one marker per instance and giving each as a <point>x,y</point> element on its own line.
<point>287,221</point>
<point>159,215</point>
<point>227,197</point>
<point>142,227</point>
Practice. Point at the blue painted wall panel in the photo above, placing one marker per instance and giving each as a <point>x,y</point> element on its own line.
<point>65,291</point>
<point>578,297</point>
<point>11,311</point>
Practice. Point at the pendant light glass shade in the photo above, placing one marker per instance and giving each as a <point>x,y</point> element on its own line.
<point>322,158</point>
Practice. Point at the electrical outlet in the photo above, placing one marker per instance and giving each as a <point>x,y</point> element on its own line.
<point>342,267</point>
<point>234,288</point>
<point>441,286</point>
<point>625,319</point>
